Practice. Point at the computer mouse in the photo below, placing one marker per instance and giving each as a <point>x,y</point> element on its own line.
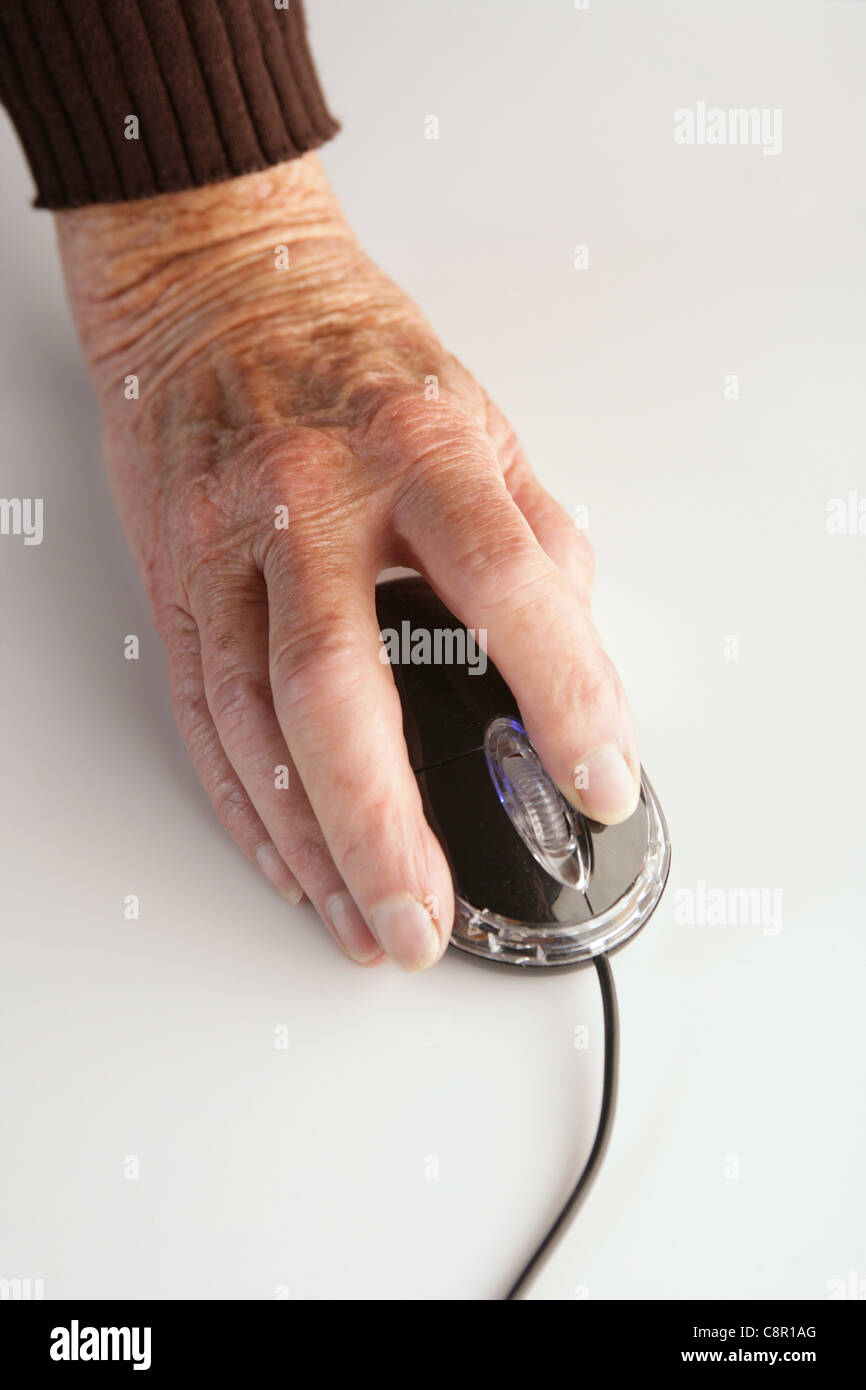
<point>536,883</point>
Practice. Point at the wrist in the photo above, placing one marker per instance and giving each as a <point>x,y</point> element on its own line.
<point>155,279</point>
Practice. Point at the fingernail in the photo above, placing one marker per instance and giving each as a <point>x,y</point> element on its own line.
<point>352,931</point>
<point>607,789</point>
<point>406,931</point>
<point>278,875</point>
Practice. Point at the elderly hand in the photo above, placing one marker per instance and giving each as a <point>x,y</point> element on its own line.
<point>281,424</point>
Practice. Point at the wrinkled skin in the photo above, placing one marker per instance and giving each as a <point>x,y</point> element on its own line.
<point>307,388</point>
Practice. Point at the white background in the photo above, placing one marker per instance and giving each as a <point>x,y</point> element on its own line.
<point>309,1167</point>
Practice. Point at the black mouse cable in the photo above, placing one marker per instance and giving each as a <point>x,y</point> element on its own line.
<point>602,1133</point>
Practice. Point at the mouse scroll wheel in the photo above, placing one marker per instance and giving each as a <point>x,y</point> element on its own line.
<point>555,833</point>
<point>542,803</point>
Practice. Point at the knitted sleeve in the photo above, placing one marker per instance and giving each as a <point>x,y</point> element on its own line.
<point>121,99</point>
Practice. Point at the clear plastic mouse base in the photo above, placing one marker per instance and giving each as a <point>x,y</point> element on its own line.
<point>492,937</point>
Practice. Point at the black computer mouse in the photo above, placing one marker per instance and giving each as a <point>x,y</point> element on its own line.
<point>536,883</point>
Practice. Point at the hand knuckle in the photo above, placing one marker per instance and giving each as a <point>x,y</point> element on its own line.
<point>305,850</point>
<point>191,716</point>
<point>509,575</point>
<point>364,839</point>
<point>312,667</point>
<point>231,804</point>
<point>239,699</point>
<point>594,683</point>
<point>410,436</point>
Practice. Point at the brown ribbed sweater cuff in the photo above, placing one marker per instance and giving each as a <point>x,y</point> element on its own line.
<point>218,88</point>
